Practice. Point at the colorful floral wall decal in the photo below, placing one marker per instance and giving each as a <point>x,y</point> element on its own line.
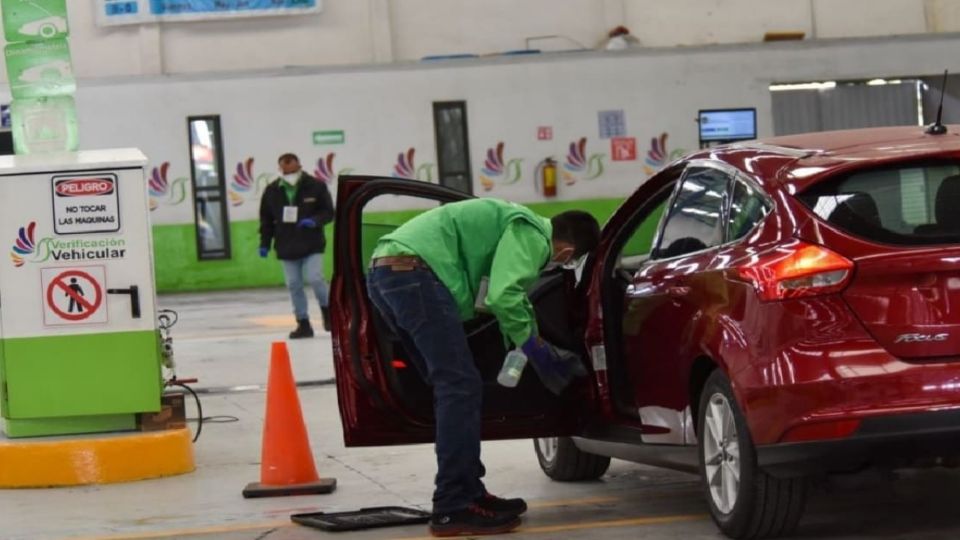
<point>406,167</point>
<point>494,168</point>
<point>403,168</point>
<point>25,244</point>
<point>658,156</point>
<point>245,184</point>
<point>325,171</point>
<point>162,191</point>
<point>578,165</point>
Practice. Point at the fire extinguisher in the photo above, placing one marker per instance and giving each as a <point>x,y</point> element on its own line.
<point>545,177</point>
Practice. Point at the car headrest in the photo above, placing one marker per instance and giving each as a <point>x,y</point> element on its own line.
<point>856,212</point>
<point>947,208</point>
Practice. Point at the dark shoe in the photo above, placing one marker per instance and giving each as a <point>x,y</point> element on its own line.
<point>304,330</point>
<point>472,521</point>
<point>325,312</point>
<point>499,505</point>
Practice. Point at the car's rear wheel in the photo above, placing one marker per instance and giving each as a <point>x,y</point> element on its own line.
<point>561,460</point>
<point>745,502</point>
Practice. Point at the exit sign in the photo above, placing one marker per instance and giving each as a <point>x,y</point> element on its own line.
<point>328,137</point>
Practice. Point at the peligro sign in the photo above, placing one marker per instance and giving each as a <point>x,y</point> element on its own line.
<point>84,186</point>
<point>85,204</point>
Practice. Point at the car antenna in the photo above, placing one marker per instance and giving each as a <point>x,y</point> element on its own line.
<point>937,128</point>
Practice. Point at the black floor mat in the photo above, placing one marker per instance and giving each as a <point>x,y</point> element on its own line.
<point>365,518</point>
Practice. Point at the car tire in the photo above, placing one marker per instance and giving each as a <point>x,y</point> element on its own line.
<point>758,505</point>
<point>561,460</point>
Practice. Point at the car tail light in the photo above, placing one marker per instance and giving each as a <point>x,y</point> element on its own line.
<point>821,431</point>
<point>399,364</point>
<point>797,270</point>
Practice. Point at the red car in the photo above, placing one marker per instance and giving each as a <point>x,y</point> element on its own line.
<point>758,312</point>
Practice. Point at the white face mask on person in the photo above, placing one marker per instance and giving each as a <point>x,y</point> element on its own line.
<point>563,259</point>
<point>291,178</point>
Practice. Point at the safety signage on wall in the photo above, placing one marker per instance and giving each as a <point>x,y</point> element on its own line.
<point>84,204</point>
<point>110,12</point>
<point>330,136</point>
<point>623,148</point>
<point>612,124</point>
<point>74,295</point>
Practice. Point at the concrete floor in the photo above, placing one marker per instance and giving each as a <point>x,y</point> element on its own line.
<point>224,340</point>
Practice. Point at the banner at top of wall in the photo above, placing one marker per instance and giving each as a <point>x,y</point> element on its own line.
<point>114,12</point>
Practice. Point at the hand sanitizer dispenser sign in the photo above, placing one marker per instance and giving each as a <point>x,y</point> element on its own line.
<point>78,340</point>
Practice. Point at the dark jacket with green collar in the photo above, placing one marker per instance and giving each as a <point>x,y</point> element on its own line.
<point>312,199</point>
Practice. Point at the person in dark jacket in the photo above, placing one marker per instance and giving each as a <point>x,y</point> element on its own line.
<point>293,210</point>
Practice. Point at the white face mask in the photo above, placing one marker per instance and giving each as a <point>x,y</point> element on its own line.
<point>570,263</point>
<point>292,177</point>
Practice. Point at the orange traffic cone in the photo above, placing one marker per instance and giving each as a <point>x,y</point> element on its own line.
<point>286,465</point>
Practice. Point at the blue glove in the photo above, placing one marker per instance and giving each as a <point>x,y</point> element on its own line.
<point>263,252</point>
<point>308,223</point>
<point>555,367</point>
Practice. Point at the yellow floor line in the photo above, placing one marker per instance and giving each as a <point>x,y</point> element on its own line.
<point>277,321</point>
<point>179,533</point>
<point>572,502</point>
<point>633,522</point>
<point>613,523</point>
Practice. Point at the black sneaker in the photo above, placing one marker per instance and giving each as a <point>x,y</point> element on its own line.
<point>472,521</point>
<point>491,502</point>
<point>304,330</point>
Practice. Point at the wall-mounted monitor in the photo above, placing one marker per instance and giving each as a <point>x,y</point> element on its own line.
<point>724,125</point>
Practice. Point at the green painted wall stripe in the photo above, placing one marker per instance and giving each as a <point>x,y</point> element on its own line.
<point>178,269</point>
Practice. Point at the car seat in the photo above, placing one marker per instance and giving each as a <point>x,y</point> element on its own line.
<point>946,209</point>
<point>856,213</point>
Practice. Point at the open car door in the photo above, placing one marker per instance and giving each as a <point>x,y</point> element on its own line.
<point>383,399</point>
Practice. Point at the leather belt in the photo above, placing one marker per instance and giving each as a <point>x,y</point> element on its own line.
<point>400,263</point>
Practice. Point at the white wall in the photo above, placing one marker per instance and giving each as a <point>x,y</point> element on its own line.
<point>429,27</point>
<point>386,110</point>
<point>365,31</point>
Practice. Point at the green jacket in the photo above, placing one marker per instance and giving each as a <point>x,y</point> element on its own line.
<point>466,241</point>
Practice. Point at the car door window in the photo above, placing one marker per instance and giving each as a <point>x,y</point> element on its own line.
<point>636,250</point>
<point>747,209</point>
<point>695,218</point>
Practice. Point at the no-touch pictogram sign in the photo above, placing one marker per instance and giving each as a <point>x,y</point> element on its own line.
<point>623,148</point>
<point>73,295</point>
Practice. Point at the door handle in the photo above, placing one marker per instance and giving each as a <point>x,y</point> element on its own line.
<point>677,291</point>
<point>134,293</point>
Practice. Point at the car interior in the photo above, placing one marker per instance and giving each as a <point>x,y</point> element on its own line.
<point>898,206</point>
<point>945,209</point>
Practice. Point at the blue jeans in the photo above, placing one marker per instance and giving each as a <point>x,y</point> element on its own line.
<point>422,312</point>
<point>309,269</point>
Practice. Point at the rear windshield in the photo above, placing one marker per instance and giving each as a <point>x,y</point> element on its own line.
<point>907,205</point>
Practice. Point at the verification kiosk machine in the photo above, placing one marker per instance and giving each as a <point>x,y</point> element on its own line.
<point>79,348</point>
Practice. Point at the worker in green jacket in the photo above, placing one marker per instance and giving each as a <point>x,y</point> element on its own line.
<point>426,278</point>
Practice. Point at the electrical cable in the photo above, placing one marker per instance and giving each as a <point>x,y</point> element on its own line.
<point>167,318</point>
<point>219,419</point>
<point>174,382</point>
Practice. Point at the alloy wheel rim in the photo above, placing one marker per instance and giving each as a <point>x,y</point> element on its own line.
<point>721,453</point>
<point>548,448</point>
